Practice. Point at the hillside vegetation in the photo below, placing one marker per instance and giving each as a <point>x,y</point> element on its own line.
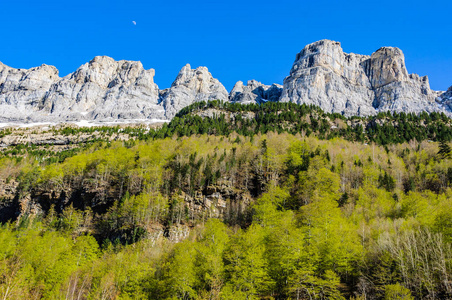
<point>219,208</point>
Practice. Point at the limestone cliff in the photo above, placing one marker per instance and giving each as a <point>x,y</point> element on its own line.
<point>22,90</point>
<point>322,74</point>
<point>191,86</point>
<point>101,90</point>
<point>353,84</point>
<point>104,89</point>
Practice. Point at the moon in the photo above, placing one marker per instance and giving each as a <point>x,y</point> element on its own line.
<point>134,23</point>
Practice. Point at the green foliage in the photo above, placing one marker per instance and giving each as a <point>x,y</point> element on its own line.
<point>245,264</point>
<point>444,150</point>
<point>178,273</point>
<point>232,216</point>
<point>292,118</point>
<point>386,181</point>
<point>397,291</point>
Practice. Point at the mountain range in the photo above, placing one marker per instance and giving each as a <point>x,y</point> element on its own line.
<point>322,74</point>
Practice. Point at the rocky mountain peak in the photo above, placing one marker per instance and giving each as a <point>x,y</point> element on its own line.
<point>104,89</point>
<point>106,72</point>
<point>324,75</point>
<point>353,84</point>
<point>39,77</point>
<point>323,53</point>
<point>27,79</point>
<point>199,80</point>
<point>320,47</point>
<point>254,92</point>
<point>387,65</point>
<point>21,90</point>
<point>191,85</point>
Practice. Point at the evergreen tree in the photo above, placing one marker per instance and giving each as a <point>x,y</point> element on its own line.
<point>444,150</point>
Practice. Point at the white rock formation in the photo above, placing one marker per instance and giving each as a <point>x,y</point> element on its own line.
<point>21,90</point>
<point>101,90</point>
<point>191,86</point>
<point>353,84</point>
<point>105,89</point>
<point>322,74</point>
<point>254,92</point>
<point>394,88</point>
<point>446,98</point>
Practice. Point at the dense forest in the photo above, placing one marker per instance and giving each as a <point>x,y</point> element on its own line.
<point>382,129</point>
<point>277,201</point>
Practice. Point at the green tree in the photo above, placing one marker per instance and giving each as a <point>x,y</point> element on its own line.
<point>178,273</point>
<point>209,263</point>
<point>246,266</point>
<point>444,150</point>
<point>397,292</point>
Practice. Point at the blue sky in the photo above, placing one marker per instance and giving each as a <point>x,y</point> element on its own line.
<point>236,40</point>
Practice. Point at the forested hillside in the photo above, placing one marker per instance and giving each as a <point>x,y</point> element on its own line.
<point>216,117</point>
<point>234,202</point>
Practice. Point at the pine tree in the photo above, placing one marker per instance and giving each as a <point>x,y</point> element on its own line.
<point>444,150</point>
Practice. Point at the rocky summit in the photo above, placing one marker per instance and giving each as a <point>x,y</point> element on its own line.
<point>353,84</point>
<point>101,90</point>
<point>254,92</point>
<point>191,86</point>
<point>322,74</point>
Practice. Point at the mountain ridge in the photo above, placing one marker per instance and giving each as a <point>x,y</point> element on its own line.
<point>322,74</point>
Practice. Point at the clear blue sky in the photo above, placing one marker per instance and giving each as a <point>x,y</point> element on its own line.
<point>236,40</point>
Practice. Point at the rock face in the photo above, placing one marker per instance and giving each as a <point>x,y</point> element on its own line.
<point>102,90</point>
<point>353,84</point>
<point>394,88</point>
<point>22,90</point>
<point>322,75</point>
<point>191,86</point>
<point>255,92</point>
<point>446,98</point>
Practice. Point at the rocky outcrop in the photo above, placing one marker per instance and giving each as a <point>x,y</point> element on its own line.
<point>353,84</point>
<point>324,75</point>
<point>446,98</point>
<point>191,86</point>
<point>101,90</point>
<point>105,89</point>
<point>64,136</point>
<point>386,66</point>
<point>9,208</point>
<point>22,90</point>
<point>254,92</point>
<point>395,89</point>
